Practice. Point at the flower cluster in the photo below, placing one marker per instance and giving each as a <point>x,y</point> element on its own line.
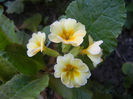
<point>72,71</point>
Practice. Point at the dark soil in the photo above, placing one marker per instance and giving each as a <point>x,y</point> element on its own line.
<point>109,73</point>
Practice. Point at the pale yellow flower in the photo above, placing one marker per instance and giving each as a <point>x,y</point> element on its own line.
<point>67,31</point>
<point>94,51</point>
<point>36,43</point>
<point>72,71</point>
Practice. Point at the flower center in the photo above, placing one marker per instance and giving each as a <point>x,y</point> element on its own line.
<point>39,43</point>
<point>71,71</point>
<point>67,35</point>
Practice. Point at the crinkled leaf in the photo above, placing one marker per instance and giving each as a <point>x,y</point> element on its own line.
<point>23,87</point>
<point>103,20</point>
<point>8,34</point>
<point>6,69</point>
<point>4,40</point>
<point>17,56</point>
<point>23,37</point>
<point>32,22</point>
<point>7,28</point>
<point>16,6</point>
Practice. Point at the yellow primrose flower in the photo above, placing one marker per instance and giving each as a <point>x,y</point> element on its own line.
<point>36,43</point>
<point>72,71</point>
<point>94,52</point>
<point>67,31</point>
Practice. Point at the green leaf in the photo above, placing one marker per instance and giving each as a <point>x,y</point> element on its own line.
<point>2,0</point>
<point>4,40</point>
<point>130,7</point>
<point>16,6</point>
<point>23,87</point>
<point>6,69</point>
<point>103,20</point>
<point>1,9</point>
<point>17,56</point>
<point>127,83</point>
<point>102,96</point>
<point>7,28</point>
<point>76,50</point>
<point>35,1</point>
<point>69,93</point>
<point>127,69</point>
<point>8,34</point>
<point>129,21</point>
<point>46,29</point>
<point>32,22</point>
<point>23,37</point>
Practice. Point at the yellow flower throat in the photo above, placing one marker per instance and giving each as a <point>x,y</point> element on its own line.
<point>67,35</point>
<point>71,71</point>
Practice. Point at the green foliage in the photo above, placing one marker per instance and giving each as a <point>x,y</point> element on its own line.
<point>130,7</point>
<point>46,29</point>
<point>127,69</point>
<point>129,19</point>
<point>4,40</point>
<point>32,22</point>
<point>76,50</point>
<point>16,54</point>
<point>8,34</point>
<point>128,81</point>
<point>23,87</point>
<point>6,69</point>
<point>8,28</point>
<point>23,37</point>
<point>1,9</point>
<point>2,0</point>
<point>16,6</point>
<point>103,20</point>
<point>92,90</point>
<point>67,93</point>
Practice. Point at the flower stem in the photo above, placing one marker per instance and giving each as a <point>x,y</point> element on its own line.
<point>65,47</point>
<point>76,50</point>
<point>50,52</point>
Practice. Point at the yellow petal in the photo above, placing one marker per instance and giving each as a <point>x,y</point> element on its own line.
<point>56,28</point>
<point>67,31</point>
<point>66,80</point>
<point>70,24</point>
<point>82,79</point>
<point>31,53</point>
<point>54,38</point>
<point>69,69</point>
<point>36,43</point>
<point>90,40</point>
<point>96,59</point>
<point>95,49</point>
<point>81,66</point>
